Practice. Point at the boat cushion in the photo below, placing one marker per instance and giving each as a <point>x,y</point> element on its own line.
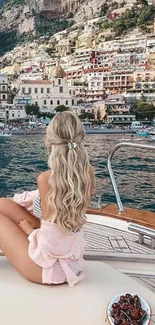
<point>26,303</point>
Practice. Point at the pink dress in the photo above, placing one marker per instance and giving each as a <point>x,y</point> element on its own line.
<point>59,255</point>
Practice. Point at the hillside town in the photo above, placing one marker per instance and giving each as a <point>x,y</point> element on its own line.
<point>101,77</point>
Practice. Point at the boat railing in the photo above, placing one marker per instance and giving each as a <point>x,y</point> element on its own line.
<point>109,165</point>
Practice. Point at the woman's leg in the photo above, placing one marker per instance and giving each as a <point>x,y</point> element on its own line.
<point>14,243</point>
<point>16,213</point>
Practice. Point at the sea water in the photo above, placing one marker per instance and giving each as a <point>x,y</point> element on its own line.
<point>23,158</point>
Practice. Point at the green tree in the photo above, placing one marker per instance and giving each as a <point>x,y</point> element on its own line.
<point>13,93</point>
<point>48,115</point>
<point>104,10</point>
<point>145,110</point>
<point>32,109</point>
<point>86,115</point>
<point>98,115</point>
<point>62,108</point>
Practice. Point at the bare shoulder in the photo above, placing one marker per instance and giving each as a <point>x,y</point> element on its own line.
<point>43,177</point>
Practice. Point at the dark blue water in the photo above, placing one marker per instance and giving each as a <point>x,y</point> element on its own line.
<point>23,158</point>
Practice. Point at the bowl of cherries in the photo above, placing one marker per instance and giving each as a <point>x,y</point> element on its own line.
<point>128,309</point>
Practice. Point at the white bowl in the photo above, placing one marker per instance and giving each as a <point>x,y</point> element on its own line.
<point>144,304</point>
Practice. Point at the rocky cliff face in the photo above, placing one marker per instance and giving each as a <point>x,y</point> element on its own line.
<point>26,18</point>
<point>21,14</point>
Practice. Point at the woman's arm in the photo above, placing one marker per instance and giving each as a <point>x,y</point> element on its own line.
<point>43,186</point>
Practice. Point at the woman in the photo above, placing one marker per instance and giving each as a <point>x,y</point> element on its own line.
<point>51,251</point>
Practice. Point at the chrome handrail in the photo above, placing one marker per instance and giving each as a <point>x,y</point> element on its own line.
<point>112,177</point>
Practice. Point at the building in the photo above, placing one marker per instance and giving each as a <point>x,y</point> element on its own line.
<point>83,108</point>
<point>117,81</point>
<point>4,90</point>
<point>47,94</point>
<point>85,40</point>
<point>99,110</point>
<point>110,106</point>
<point>120,119</point>
<point>95,91</point>
<point>130,61</point>
<point>135,43</point>
<point>63,47</point>
<point>144,81</point>
<point>11,112</point>
<point>16,113</point>
<point>116,105</point>
<point>151,60</point>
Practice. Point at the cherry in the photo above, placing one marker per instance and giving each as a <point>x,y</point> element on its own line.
<point>125,307</point>
<point>136,298</point>
<point>115,312</point>
<point>130,307</point>
<point>135,314</point>
<point>128,295</point>
<point>126,322</point>
<point>115,305</point>
<point>134,322</point>
<point>138,305</point>
<point>122,298</point>
<point>142,313</point>
<point>117,320</point>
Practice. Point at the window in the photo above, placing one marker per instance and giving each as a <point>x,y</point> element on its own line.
<point>36,103</point>
<point>36,90</point>
<point>70,92</point>
<point>13,114</point>
<point>58,102</point>
<point>61,89</point>
<point>44,101</point>
<point>3,88</point>
<point>48,90</point>
<point>66,102</point>
<point>23,90</point>
<point>3,97</point>
<point>72,101</point>
<point>59,81</point>
<point>51,102</point>
<point>42,90</point>
<point>29,90</point>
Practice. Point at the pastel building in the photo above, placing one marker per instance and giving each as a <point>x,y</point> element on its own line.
<point>48,94</point>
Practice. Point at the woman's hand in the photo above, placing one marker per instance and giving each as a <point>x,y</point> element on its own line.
<point>25,226</point>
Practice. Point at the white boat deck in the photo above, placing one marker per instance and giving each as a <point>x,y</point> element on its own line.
<point>109,240</point>
<point>23,302</point>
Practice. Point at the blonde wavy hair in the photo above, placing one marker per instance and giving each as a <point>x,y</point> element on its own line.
<point>69,180</point>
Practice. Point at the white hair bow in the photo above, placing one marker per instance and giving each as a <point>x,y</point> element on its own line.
<point>72,145</point>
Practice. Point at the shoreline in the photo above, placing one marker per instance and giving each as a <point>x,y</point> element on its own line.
<point>88,131</point>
